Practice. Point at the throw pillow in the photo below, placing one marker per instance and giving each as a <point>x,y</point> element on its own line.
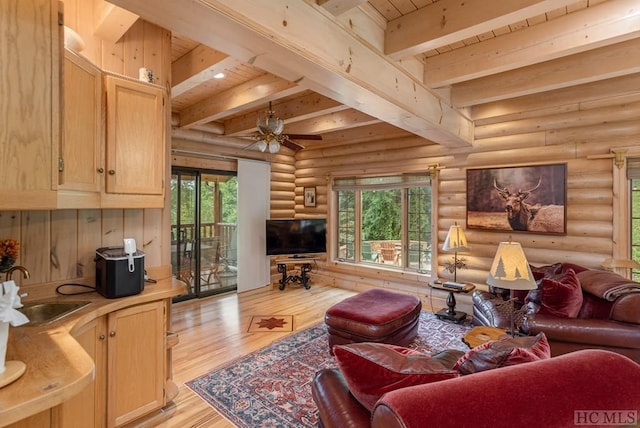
<point>506,351</point>
<point>560,296</point>
<point>372,369</point>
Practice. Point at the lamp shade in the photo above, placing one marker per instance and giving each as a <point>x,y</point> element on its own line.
<point>455,240</point>
<point>510,268</point>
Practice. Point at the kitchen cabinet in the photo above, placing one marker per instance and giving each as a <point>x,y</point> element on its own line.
<point>135,143</point>
<point>122,166</point>
<point>81,156</point>
<point>29,105</point>
<point>87,409</point>
<point>129,350</point>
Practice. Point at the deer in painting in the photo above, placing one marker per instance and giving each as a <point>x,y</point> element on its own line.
<point>527,217</point>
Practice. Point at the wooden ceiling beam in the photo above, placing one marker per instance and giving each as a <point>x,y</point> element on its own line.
<point>447,22</point>
<point>249,95</point>
<point>604,63</point>
<point>303,43</point>
<point>600,25</point>
<point>111,22</point>
<point>338,7</point>
<point>332,122</point>
<point>196,67</point>
<point>297,109</point>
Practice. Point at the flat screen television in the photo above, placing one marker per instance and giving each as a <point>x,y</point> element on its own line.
<point>296,236</point>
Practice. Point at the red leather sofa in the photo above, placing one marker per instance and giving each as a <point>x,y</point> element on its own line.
<point>606,314</point>
<point>594,386</point>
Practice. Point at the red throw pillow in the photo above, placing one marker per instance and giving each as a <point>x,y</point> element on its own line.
<point>372,369</point>
<point>560,296</point>
<point>506,351</point>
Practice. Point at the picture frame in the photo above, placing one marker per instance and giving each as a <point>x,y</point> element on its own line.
<point>523,199</point>
<point>309,196</point>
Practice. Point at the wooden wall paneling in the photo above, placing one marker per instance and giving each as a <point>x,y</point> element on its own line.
<point>133,226</point>
<point>64,244</point>
<point>36,242</point>
<point>152,242</point>
<point>112,56</point>
<point>10,226</point>
<point>156,52</point>
<point>134,47</point>
<point>112,228</point>
<point>84,26</point>
<point>89,240</point>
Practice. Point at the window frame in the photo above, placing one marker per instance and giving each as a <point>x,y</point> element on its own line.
<point>425,179</point>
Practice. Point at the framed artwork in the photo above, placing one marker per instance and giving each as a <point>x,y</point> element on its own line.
<point>529,199</point>
<point>309,196</point>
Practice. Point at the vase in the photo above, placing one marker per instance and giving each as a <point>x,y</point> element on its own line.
<point>4,337</point>
<point>6,263</point>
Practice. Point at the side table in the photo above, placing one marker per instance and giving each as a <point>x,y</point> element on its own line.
<point>481,334</point>
<point>450,314</point>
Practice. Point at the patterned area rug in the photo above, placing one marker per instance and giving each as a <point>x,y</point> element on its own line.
<point>273,323</point>
<point>272,387</point>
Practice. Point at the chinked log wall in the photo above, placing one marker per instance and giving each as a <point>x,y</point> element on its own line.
<point>567,126</point>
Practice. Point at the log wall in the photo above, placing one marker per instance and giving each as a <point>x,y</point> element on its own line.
<point>579,129</point>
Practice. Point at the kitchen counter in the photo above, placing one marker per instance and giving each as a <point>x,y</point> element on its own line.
<point>57,367</point>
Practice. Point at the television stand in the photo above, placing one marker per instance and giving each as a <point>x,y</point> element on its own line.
<point>291,262</point>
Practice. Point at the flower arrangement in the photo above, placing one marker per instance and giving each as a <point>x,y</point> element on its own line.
<point>9,250</point>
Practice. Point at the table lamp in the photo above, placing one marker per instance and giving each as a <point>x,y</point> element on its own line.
<point>510,270</point>
<point>455,241</point>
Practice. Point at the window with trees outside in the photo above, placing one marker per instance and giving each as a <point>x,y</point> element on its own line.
<point>384,220</point>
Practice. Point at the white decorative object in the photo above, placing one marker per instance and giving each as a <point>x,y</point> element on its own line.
<point>145,75</point>
<point>9,302</point>
<point>72,40</point>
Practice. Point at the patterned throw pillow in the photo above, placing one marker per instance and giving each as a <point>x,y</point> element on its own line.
<point>372,369</point>
<point>507,351</point>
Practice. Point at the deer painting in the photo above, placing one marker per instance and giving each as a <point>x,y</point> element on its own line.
<point>524,216</point>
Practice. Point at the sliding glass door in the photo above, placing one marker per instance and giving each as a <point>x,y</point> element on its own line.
<point>204,231</point>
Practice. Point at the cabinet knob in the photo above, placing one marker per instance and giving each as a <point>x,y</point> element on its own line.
<point>102,337</point>
<point>112,334</point>
<point>112,172</point>
<point>100,170</point>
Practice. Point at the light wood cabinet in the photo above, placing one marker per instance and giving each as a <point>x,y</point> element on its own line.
<point>81,156</point>
<point>29,103</point>
<point>135,362</point>
<point>128,347</point>
<point>124,165</point>
<point>135,143</point>
<point>87,409</point>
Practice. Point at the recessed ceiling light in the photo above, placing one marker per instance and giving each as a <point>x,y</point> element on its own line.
<point>218,76</point>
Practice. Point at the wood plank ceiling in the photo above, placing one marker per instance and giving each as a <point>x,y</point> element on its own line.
<point>462,55</point>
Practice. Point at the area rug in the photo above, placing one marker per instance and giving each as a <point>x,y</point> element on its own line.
<point>272,386</point>
<point>270,323</point>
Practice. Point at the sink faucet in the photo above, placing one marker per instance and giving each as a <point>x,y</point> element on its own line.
<point>25,272</point>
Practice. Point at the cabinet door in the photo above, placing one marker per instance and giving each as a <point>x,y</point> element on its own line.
<point>29,104</point>
<point>87,409</point>
<point>136,361</point>
<point>135,137</point>
<point>81,166</point>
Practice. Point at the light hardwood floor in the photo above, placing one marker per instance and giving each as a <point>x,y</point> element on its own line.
<point>213,331</point>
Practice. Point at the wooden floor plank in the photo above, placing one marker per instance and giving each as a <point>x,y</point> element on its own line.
<point>213,331</point>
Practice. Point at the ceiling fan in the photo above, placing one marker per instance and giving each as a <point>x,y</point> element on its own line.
<point>270,135</point>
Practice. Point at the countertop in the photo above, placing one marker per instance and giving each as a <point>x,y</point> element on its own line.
<point>57,367</point>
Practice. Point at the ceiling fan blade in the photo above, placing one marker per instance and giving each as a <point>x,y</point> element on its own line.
<point>304,137</point>
<point>291,145</point>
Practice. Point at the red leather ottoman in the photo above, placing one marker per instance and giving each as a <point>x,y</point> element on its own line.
<point>374,316</point>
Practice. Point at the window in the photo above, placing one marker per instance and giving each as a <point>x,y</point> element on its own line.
<point>633,174</point>
<point>384,220</point>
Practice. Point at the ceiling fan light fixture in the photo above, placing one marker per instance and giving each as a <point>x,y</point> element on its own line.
<point>274,146</point>
<point>262,145</point>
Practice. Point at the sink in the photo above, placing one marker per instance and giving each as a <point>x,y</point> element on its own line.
<point>45,312</point>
